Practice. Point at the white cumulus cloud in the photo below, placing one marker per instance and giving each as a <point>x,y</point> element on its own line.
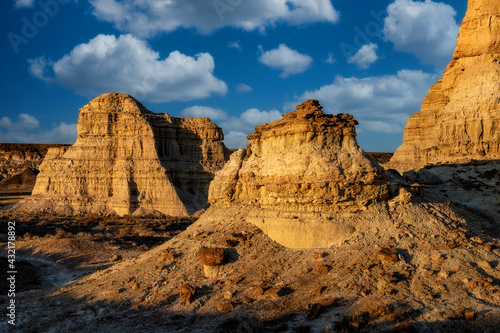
<point>380,103</point>
<point>426,29</point>
<point>24,122</point>
<point>235,45</point>
<point>243,88</point>
<point>146,18</point>
<point>23,130</point>
<point>365,57</point>
<point>204,112</point>
<point>237,128</point>
<point>128,65</point>
<point>286,60</point>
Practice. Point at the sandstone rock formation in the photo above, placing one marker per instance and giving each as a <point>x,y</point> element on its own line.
<point>304,165</point>
<point>460,117</point>
<point>127,157</point>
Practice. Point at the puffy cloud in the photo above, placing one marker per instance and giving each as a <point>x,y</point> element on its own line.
<point>149,17</point>
<point>204,111</point>
<point>128,65</point>
<point>286,60</point>
<point>243,88</point>
<point>365,57</point>
<point>21,131</point>
<point>38,67</point>
<point>255,117</point>
<point>24,122</point>
<point>23,3</point>
<point>380,103</point>
<point>235,45</point>
<point>235,129</point>
<point>235,140</point>
<point>426,29</point>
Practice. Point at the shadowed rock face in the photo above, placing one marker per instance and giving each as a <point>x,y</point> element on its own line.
<point>303,165</point>
<point>127,157</point>
<point>460,117</point>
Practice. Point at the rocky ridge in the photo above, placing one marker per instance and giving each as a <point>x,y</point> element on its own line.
<point>302,166</point>
<point>128,159</point>
<point>17,157</point>
<point>460,116</point>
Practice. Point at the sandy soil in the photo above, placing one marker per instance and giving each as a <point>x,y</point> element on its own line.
<point>435,268</point>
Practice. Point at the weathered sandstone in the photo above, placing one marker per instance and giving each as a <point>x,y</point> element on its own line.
<point>298,168</point>
<point>460,117</point>
<point>128,158</point>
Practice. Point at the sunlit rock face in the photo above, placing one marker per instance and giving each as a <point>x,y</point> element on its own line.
<point>128,158</point>
<point>304,165</point>
<point>460,117</point>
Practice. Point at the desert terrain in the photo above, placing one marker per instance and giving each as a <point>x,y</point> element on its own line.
<point>148,223</point>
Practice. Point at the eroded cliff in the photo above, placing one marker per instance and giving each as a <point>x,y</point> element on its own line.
<point>460,117</point>
<point>128,158</point>
<point>302,166</point>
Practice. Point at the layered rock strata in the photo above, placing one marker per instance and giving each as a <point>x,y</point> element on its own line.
<point>302,166</point>
<point>127,157</point>
<point>460,117</point>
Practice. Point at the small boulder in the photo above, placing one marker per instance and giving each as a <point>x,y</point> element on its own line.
<point>187,292</point>
<point>212,256</point>
<point>225,306</point>
<point>387,254</point>
<point>321,269</point>
<point>485,264</point>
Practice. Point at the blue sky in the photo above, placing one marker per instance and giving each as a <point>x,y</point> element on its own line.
<point>240,62</point>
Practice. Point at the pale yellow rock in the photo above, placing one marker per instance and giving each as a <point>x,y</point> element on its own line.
<point>128,158</point>
<point>296,169</point>
<point>460,117</point>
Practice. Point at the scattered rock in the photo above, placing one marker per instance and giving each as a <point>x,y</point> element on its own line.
<point>315,311</point>
<point>225,306</point>
<point>256,292</point>
<point>443,275</point>
<point>212,256</point>
<point>272,293</point>
<point>165,257</point>
<point>116,258</point>
<point>187,292</point>
<point>485,264</point>
<point>387,254</point>
<point>318,291</point>
<point>470,315</point>
<point>232,242</point>
<point>321,269</point>
<point>228,294</point>
<point>318,255</point>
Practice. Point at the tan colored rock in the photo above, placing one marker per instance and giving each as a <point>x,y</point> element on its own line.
<point>127,158</point>
<point>460,116</point>
<point>308,161</point>
<point>296,168</point>
<point>387,254</point>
